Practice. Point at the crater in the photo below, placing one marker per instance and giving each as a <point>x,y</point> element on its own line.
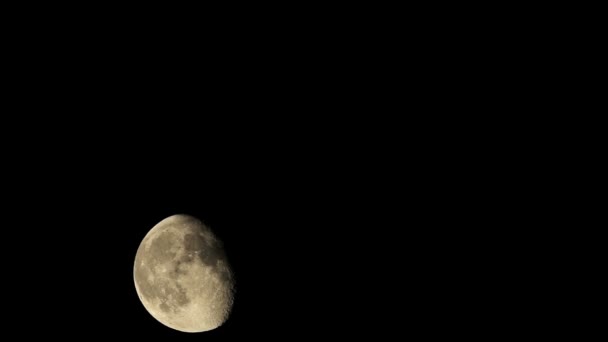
<point>224,274</point>
<point>186,258</point>
<point>178,269</point>
<point>193,242</point>
<point>161,249</point>
<point>181,298</point>
<point>211,254</point>
<point>158,287</point>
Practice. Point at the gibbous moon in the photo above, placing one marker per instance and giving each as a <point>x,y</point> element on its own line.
<point>182,276</point>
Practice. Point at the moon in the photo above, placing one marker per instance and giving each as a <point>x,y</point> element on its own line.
<point>182,276</point>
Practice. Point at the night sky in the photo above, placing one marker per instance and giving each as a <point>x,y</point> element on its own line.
<point>327,235</point>
<point>299,236</point>
<point>352,197</point>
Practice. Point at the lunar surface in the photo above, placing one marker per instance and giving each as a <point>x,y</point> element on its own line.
<point>182,276</point>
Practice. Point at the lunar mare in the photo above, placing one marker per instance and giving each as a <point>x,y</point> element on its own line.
<point>182,276</point>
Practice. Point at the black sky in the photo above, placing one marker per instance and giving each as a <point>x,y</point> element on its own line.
<point>328,234</point>
<point>301,232</point>
<point>351,192</point>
